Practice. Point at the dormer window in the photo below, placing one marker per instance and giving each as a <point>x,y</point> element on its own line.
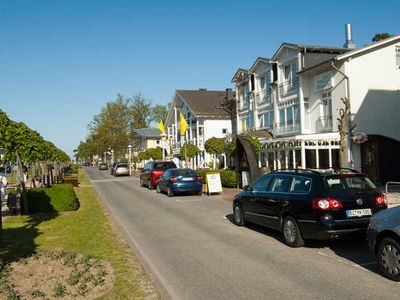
<point>262,83</point>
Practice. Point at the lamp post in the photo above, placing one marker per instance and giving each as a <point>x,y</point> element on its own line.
<point>163,135</point>
<point>130,158</point>
<point>112,156</point>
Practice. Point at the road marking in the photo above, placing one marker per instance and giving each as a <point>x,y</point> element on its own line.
<point>191,200</point>
<point>112,179</point>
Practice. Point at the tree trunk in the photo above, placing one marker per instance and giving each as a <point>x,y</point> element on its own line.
<point>21,180</point>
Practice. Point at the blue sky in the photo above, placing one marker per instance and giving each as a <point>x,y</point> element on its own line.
<point>61,61</point>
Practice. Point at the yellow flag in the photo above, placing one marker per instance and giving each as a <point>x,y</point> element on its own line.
<point>183,124</point>
<point>160,126</point>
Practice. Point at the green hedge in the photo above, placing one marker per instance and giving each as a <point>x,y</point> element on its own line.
<point>228,177</point>
<point>59,197</point>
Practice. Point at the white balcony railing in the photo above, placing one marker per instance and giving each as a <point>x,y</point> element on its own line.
<point>289,87</point>
<point>263,97</point>
<point>283,128</point>
<point>324,124</point>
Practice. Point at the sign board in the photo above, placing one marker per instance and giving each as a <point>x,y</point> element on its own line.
<point>360,137</point>
<point>323,81</point>
<point>213,182</point>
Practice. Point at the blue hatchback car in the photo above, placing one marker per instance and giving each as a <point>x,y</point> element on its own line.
<point>176,181</point>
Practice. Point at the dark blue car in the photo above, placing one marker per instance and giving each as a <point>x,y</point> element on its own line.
<point>176,181</point>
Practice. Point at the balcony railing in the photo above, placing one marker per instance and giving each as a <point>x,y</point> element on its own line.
<point>288,88</point>
<point>324,124</point>
<point>283,128</point>
<point>263,97</point>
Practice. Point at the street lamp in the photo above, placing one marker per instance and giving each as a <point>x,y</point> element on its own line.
<point>130,158</point>
<point>163,136</point>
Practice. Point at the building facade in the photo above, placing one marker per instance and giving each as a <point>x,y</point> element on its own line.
<point>204,119</point>
<point>297,96</point>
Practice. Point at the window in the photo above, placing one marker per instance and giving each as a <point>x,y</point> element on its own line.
<point>262,183</point>
<point>398,56</point>
<point>280,184</point>
<point>327,104</point>
<point>286,72</point>
<point>262,83</point>
<point>224,131</point>
<point>300,185</point>
<point>282,119</point>
<point>290,72</point>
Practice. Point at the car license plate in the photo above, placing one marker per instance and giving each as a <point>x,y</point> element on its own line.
<point>358,212</point>
<point>187,179</point>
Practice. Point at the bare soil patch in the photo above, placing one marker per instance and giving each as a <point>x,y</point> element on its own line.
<point>60,274</point>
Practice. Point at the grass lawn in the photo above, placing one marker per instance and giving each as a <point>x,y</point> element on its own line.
<point>88,231</point>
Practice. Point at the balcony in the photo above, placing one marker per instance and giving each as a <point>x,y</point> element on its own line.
<point>324,124</point>
<point>289,88</point>
<point>263,97</point>
<point>283,128</point>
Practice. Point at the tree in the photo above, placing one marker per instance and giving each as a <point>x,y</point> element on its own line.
<point>141,112</point>
<point>159,112</point>
<point>188,151</point>
<point>154,153</point>
<point>380,36</point>
<point>215,146</point>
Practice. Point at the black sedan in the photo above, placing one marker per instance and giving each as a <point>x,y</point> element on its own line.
<point>384,240</point>
<point>176,181</point>
<point>310,204</point>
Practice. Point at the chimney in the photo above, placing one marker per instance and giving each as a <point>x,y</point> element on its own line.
<point>349,37</point>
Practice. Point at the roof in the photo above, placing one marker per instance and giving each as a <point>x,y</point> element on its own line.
<point>372,46</point>
<point>260,60</point>
<point>204,103</point>
<point>238,74</point>
<point>148,132</point>
<point>311,49</point>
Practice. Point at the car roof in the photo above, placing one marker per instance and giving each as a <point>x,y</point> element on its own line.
<point>317,172</point>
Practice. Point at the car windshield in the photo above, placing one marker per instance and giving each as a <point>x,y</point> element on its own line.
<point>346,183</point>
<point>164,166</point>
<point>122,166</point>
<point>184,172</point>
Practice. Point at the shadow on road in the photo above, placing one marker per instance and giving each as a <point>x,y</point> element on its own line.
<point>352,249</point>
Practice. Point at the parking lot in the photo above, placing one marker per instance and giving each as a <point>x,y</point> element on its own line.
<point>192,250</point>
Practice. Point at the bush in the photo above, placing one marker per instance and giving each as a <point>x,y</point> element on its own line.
<point>228,177</point>
<point>74,169</point>
<point>59,197</point>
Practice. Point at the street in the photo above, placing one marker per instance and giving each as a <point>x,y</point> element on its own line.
<point>192,250</point>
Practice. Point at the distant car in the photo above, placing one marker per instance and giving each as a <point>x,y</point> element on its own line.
<point>103,166</point>
<point>121,169</point>
<point>152,172</point>
<point>176,181</point>
<point>310,204</point>
<point>112,168</point>
<point>384,240</point>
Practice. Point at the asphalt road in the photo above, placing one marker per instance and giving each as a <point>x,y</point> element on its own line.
<point>192,250</point>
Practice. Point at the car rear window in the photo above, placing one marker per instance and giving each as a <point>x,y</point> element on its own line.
<point>164,166</point>
<point>184,172</point>
<point>122,165</point>
<point>343,183</point>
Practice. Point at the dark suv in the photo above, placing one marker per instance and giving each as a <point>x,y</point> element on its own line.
<point>309,204</point>
<point>152,172</point>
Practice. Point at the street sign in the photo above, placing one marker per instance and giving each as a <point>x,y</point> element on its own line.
<point>360,137</point>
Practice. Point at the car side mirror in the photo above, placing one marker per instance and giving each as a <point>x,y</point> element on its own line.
<point>246,188</point>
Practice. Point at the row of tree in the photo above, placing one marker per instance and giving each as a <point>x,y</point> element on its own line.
<point>113,128</point>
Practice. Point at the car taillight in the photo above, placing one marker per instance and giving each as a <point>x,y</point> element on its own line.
<point>199,178</point>
<point>326,204</point>
<point>380,200</point>
<point>173,179</point>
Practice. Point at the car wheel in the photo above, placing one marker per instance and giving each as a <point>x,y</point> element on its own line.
<point>158,188</point>
<point>150,185</point>
<point>141,182</point>
<point>238,217</point>
<point>291,233</point>
<point>199,193</point>
<point>170,193</point>
<point>389,258</point>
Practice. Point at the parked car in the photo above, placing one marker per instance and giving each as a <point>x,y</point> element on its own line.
<point>103,166</point>
<point>384,240</point>
<point>112,168</point>
<point>152,172</point>
<point>310,204</point>
<point>121,169</point>
<point>176,181</point>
